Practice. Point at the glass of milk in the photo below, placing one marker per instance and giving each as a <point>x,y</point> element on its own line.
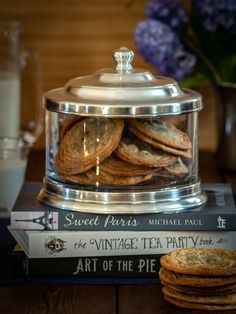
<point>20,86</point>
<point>13,162</point>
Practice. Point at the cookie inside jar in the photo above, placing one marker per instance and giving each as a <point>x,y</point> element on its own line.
<point>124,153</point>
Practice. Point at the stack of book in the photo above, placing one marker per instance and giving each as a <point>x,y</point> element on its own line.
<point>56,242</point>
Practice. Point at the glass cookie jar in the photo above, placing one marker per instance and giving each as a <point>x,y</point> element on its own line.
<point>122,141</point>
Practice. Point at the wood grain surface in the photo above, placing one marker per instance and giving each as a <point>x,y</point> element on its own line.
<point>53,299</point>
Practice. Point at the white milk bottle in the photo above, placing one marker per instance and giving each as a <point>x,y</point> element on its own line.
<point>14,61</point>
<point>13,161</point>
<point>9,105</point>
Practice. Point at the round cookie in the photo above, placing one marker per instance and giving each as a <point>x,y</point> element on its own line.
<point>118,167</point>
<point>201,261</point>
<point>77,178</point>
<point>88,143</point>
<point>92,177</point>
<point>137,152</point>
<point>221,290</point>
<point>177,169</point>
<point>162,132</point>
<point>173,278</point>
<point>68,123</point>
<point>102,177</point>
<point>199,306</point>
<point>178,152</point>
<point>228,299</point>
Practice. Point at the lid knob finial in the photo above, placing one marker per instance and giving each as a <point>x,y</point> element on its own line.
<point>123,58</point>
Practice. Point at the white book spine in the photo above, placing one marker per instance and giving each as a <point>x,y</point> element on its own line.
<point>106,243</point>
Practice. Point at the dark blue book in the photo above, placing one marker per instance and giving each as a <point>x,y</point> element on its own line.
<point>218,213</point>
<point>97,266</point>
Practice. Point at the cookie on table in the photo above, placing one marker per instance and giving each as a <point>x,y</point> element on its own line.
<point>178,279</point>
<point>162,132</point>
<point>200,278</point>
<point>219,290</point>
<point>199,306</point>
<point>175,151</point>
<point>138,152</point>
<point>201,261</point>
<point>226,299</point>
<point>87,143</point>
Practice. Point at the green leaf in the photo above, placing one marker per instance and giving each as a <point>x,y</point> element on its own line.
<point>194,81</point>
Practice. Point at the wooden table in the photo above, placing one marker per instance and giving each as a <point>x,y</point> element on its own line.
<point>87,299</point>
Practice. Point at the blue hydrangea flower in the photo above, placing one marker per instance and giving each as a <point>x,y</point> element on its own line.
<point>162,48</point>
<point>169,12</point>
<point>217,14</point>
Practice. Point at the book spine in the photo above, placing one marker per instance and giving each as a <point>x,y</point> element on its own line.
<point>110,243</point>
<point>110,266</point>
<point>67,220</point>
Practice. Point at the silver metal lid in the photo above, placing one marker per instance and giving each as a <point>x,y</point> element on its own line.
<point>122,91</point>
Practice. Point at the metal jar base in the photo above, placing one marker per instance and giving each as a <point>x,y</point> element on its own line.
<point>63,196</point>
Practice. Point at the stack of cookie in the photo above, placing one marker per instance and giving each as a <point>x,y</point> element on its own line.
<point>200,278</point>
<point>121,151</point>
